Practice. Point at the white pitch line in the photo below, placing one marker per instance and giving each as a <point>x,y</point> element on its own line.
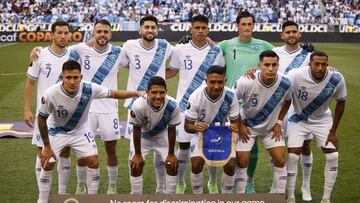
<point>11,74</point>
<point>6,45</point>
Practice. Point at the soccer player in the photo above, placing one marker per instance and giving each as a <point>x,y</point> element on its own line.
<point>242,53</point>
<point>154,119</point>
<point>100,64</point>
<point>192,60</point>
<point>262,101</point>
<point>206,106</point>
<point>292,56</point>
<point>313,89</point>
<point>62,118</point>
<point>147,57</point>
<point>46,72</point>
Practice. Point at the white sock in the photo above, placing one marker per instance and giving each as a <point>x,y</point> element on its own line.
<point>280,178</point>
<point>306,163</point>
<point>227,183</point>
<point>171,182</point>
<point>136,184</point>
<point>240,179</point>
<point>112,174</point>
<point>197,182</point>
<point>93,180</point>
<point>37,169</point>
<point>81,175</point>
<point>330,172</point>
<point>212,174</point>
<point>45,180</point>
<point>63,168</point>
<point>291,167</point>
<point>272,190</point>
<point>160,172</point>
<point>183,157</point>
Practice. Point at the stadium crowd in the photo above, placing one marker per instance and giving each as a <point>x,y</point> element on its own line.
<point>119,11</point>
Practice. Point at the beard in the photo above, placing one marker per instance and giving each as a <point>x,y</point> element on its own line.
<point>102,42</point>
<point>149,39</point>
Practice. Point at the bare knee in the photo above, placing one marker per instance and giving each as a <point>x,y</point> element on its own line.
<point>65,152</point>
<point>229,168</point>
<point>197,164</point>
<point>306,149</point>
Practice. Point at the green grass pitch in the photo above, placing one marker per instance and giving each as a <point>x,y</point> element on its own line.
<point>17,156</point>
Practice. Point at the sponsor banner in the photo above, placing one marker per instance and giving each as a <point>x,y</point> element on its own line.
<point>176,27</point>
<point>231,27</point>
<point>81,27</point>
<point>349,29</point>
<point>36,36</point>
<point>184,198</point>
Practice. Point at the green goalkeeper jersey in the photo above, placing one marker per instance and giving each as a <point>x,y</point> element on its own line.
<point>240,56</point>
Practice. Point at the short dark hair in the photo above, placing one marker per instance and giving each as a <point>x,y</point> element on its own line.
<point>289,23</point>
<point>268,53</point>
<point>156,80</point>
<point>59,23</point>
<point>244,14</point>
<point>318,53</point>
<point>103,21</point>
<point>71,65</point>
<point>200,18</point>
<point>148,18</point>
<point>216,69</point>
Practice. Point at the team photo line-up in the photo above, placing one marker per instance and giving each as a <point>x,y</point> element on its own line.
<point>279,94</point>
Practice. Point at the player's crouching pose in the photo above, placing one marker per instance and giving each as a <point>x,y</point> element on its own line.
<point>208,105</point>
<point>313,89</point>
<point>63,114</point>
<point>154,119</point>
<point>263,98</point>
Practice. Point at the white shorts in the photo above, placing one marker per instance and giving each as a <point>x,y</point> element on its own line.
<point>159,144</point>
<point>181,135</point>
<point>297,134</point>
<point>107,123</point>
<point>194,147</point>
<point>267,141</point>
<point>284,125</point>
<point>83,144</point>
<point>36,139</point>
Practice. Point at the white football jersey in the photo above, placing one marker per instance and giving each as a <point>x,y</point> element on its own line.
<point>154,121</point>
<point>262,103</point>
<point>101,68</point>
<point>202,108</point>
<point>47,70</point>
<point>192,63</point>
<point>68,113</point>
<point>291,60</point>
<point>145,63</point>
<point>311,98</point>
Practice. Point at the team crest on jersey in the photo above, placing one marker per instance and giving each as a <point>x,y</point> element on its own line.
<point>42,100</point>
<point>256,47</point>
<point>132,114</point>
<point>328,90</point>
<point>145,120</point>
<point>225,108</point>
<point>278,95</point>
